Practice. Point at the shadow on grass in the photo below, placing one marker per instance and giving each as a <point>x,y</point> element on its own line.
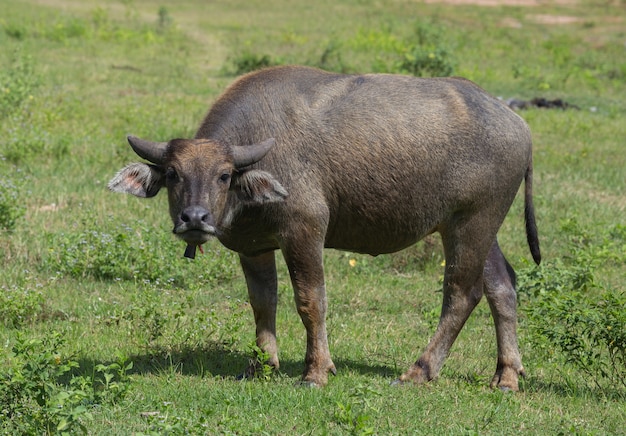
<point>569,389</point>
<point>215,360</point>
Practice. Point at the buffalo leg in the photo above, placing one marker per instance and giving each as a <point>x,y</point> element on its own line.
<point>260,273</point>
<point>466,244</point>
<point>306,269</point>
<point>500,292</point>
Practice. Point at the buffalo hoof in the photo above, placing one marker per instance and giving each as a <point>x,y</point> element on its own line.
<point>418,373</point>
<point>397,382</point>
<point>507,379</point>
<point>318,377</point>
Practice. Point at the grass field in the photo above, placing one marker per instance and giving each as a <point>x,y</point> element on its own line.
<point>106,329</point>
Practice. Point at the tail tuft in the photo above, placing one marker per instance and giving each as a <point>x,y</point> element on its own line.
<point>532,235</point>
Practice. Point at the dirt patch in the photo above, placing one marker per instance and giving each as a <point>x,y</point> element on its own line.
<point>493,3</point>
<point>52,207</point>
<point>554,19</point>
<point>511,22</point>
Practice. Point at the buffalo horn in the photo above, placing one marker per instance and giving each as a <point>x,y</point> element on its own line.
<point>151,151</point>
<point>247,155</point>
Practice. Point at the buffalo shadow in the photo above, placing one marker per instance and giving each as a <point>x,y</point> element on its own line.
<point>215,360</point>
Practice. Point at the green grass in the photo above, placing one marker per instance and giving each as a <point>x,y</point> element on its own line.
<point>104,271</point>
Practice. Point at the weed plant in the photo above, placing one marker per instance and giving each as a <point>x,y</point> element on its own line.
<point>20,304</point>
<point>11,208</point>
<point>122,252</point>
<point>17,83</point>
<point>247,62</point>
<point>37,397</point>
<point>424,53</point>
<point>569,310</point>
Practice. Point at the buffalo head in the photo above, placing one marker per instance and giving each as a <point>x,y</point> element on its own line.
<point>207,182</point>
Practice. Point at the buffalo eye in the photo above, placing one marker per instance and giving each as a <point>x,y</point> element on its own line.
<point>224,178</point>
<point>171,175</point>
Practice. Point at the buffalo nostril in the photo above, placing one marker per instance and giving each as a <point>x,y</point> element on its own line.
<point>195,215</point>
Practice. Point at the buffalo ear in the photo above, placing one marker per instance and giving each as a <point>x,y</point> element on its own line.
<point>257,187</point>
<point>139,179</point>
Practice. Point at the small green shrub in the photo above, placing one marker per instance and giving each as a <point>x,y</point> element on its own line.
<point>110,383</point>
<point>426,62</point>
<point>11,202</point>
<point>17,83</point>
<point>570,312</point>
<point>258,363</point>
<point>133,253</point>
<point>34,399</point>
<point>590,332</point>
<point>354,414</point>
<point>331,58</point>
<point>19,305</point>
<point>426,53</point>
<point>165,19</point>
<point>15,30</point>
<point>248,61</point>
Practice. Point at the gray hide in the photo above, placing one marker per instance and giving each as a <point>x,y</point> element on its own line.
<point>296,159</point>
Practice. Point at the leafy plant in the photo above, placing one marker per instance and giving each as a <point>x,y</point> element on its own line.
<point>15,30</point>
<point>19,304</point>
<point>426,61</point>
<point>131,253</point>
<point>331,58</point>
<point>258,363</point>
<point>569,311</point>
<point>35,400</point>
<point>426,54</point>
<point>11,202</point>
<point>111,382</point>
<point>165,19</point>
<point>17,83</point>
<point>248,61</point>
<point>354,414</point>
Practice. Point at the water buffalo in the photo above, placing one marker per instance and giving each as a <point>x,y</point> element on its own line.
<point>298,159</point>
